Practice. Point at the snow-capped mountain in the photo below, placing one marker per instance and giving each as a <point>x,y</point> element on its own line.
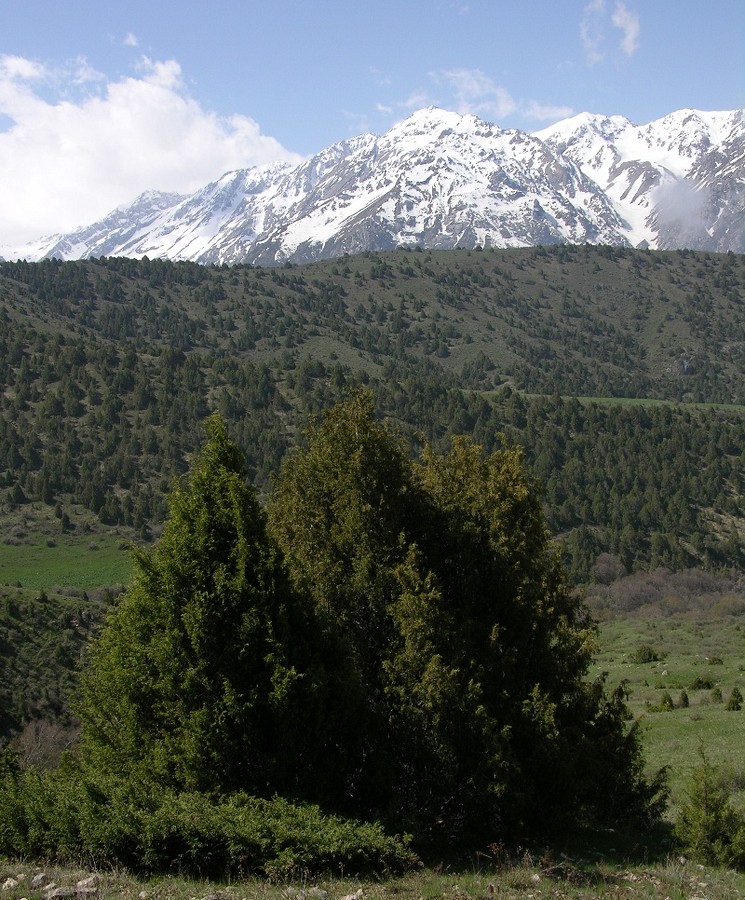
<point>677,182</point>
<point>442,180</point>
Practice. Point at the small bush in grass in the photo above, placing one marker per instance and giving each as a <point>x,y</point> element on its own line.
<point>666,704</point>
<point>734,704</point>
<point>644,654</point>
<point>716,695</point>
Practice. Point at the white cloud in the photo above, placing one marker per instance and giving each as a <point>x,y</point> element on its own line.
<point>16,67</point>
<point>591,30</point>
<point>545,112</point>
<point>628,22</point>
<point>130,40</point>
<point>77,147</point>
<point>381,78</point>
<point>415,100</point>
<point>468,92</point>
<point>594,26</point>
<point>476,93</point>
<point>81,72</point>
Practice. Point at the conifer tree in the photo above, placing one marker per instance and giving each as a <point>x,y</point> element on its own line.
<point>708,825</point>
<point>201,678</point>
<point>464,652</point>
<point>337,513</point>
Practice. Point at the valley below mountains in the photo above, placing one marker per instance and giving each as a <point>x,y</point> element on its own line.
<point>440,180</point>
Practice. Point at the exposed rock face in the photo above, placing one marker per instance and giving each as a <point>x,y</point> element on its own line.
<point>677,182</point>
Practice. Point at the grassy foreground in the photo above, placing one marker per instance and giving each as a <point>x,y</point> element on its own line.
<point>531,876</point>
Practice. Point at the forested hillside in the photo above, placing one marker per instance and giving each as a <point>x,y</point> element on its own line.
<point>108,367</point>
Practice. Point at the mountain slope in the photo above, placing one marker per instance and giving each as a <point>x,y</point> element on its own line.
<point>440,180</point>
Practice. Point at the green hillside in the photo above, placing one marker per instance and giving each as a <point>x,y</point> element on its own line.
<point>109,366</point>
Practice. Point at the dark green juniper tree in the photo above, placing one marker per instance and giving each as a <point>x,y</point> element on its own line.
<point>341,511</point>
<point>463,648</point>
<point>202,679</point>
<point>396,641</point>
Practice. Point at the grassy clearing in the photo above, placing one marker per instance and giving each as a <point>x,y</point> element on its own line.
<point>37,553</point>
<point>695,656</point>
<point>644,401</point>
<point>76,562</point>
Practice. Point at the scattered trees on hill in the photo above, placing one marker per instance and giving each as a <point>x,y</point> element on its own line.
<point>107,367</point>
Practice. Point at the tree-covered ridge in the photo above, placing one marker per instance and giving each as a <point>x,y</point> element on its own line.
<point>574,320</point>
<point>654,486</point>
<point>109,366</point>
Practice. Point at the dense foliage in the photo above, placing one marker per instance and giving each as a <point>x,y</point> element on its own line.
<point>196,680</point>
<point>41,641</point>
<point>468,650</point>
<point>398,642</point>
<point>70,816</point>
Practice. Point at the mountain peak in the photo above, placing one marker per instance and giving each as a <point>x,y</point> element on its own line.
<point>434,119</point>
<point>585,123</point>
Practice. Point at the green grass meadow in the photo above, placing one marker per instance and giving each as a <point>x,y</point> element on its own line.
<point>38,554</point>
<point>76,562</point>
<point>691,655</point>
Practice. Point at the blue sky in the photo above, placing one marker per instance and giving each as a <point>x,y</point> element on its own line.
<point>102,100</point>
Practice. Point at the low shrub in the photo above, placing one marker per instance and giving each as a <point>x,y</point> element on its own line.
<point>68,816</point>
<point>734,704</point>
<point>644,654</point>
